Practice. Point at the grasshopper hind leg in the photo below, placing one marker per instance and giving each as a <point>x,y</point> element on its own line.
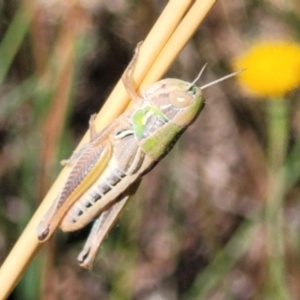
<point>101,228</point>
<point>99,231</point>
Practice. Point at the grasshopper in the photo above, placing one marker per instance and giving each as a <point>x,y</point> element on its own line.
<point>108,170</point>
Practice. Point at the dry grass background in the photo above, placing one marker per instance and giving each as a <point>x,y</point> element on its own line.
<point>192,231</point>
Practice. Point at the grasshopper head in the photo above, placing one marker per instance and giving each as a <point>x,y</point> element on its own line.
<point>178,100</point>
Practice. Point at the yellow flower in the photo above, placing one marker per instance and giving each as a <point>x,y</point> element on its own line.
<point>273,68</point>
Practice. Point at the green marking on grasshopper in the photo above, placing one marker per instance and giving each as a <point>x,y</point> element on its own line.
<point>159,144</point>
<point>140,120</point>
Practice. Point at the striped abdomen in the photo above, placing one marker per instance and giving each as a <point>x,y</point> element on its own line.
<point>126,165</point>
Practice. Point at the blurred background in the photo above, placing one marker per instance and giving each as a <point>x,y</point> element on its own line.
<point>196,229</point>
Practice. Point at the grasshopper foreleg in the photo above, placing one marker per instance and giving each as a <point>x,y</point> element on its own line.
<point>127,76</point>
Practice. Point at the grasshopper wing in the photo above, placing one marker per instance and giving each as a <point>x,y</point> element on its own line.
<point>92,161</point>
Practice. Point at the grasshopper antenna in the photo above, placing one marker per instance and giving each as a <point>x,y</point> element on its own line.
<point>197,78</point>
<point>221,79</point>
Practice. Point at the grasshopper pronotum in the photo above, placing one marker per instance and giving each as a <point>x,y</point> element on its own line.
<point>107,170</point>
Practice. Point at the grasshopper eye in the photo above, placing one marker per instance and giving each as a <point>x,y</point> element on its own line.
<point>180,98</point>
<point>192,90</point>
